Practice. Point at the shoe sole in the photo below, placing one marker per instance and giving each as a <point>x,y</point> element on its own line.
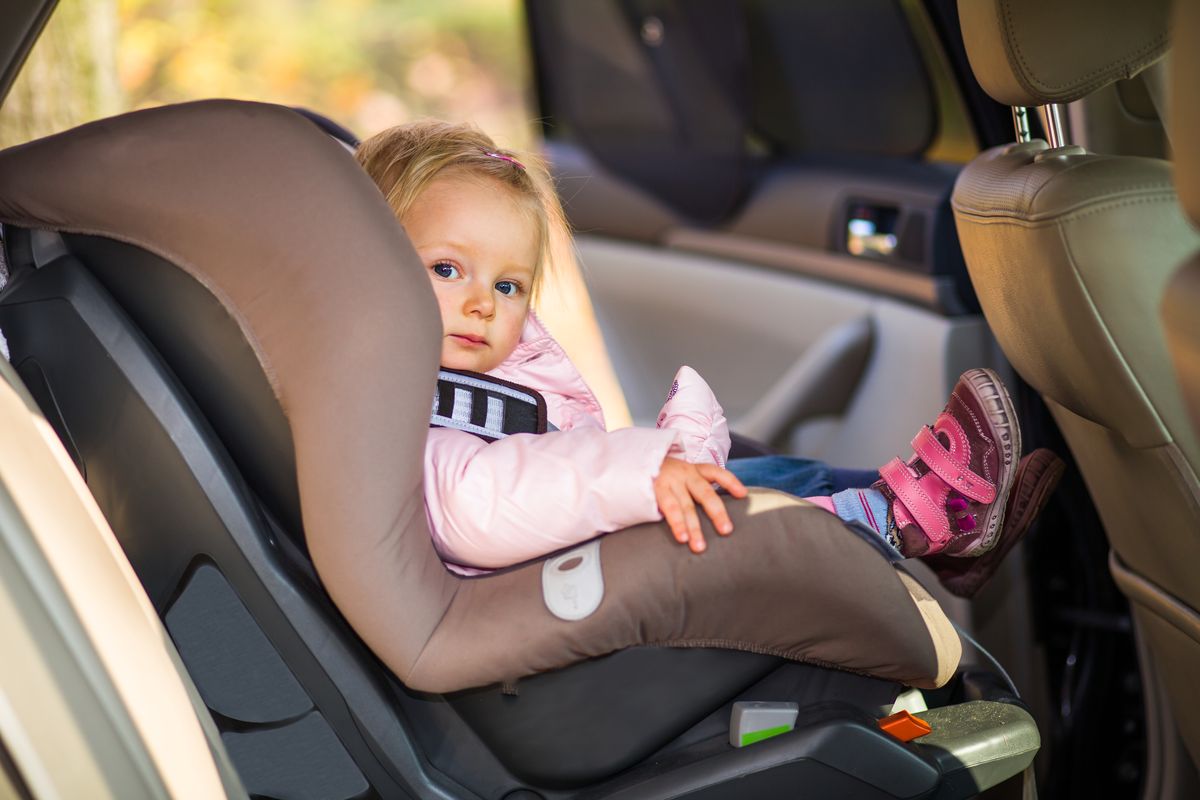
<point>991,395</point>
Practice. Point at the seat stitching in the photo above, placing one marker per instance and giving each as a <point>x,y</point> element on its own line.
<point>1081,82</point>
<point>1103,326</point>
<point>1006,216</point>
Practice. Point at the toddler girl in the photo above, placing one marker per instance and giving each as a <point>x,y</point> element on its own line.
<point>481,220</point>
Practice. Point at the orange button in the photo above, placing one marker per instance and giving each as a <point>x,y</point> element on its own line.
<point>904,726</point>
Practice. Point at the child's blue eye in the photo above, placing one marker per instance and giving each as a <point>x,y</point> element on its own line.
<point>508,288</point>
<point>444,270</point>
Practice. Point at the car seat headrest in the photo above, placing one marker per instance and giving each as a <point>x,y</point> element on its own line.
<point>1033,53</point>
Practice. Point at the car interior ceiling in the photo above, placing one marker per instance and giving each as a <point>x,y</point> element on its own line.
<point>660,152</point>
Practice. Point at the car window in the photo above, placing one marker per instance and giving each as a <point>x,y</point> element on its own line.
<point>366,64</point>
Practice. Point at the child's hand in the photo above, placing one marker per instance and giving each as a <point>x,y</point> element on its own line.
<point>680,485</point>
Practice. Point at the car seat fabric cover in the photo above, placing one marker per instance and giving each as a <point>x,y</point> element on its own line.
<point>1033,52</point>
<point>345,327</point>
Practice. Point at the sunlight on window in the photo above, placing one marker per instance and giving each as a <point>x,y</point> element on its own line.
<point>367,64</point>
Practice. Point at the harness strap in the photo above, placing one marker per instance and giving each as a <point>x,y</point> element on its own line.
<point>926,512</point>
<point>487,407</point>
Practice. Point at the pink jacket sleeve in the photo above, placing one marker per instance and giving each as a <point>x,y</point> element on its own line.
<point>693,412</point>
<point>492,505</point>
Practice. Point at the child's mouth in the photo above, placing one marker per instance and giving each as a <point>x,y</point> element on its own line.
<point>468,340</point>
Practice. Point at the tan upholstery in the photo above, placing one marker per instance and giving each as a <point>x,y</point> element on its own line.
<point>1182,89</point>
<point>345,327</point>
<point>1178,624</point>
<point>1034,52</point>
<point>1181,304</point>
<point>1071,254</point>
<point>1181,316</point>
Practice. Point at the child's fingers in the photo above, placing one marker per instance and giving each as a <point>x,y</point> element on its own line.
<point>695,535</point>
<point>702,490</point>
<point>723,478</point>
<point>680,513</point>
<point>668,505</point>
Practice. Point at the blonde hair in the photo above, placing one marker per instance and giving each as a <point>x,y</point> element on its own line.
<point>404,160</point>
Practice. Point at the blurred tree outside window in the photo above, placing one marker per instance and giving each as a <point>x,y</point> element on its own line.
<point>366,64</point>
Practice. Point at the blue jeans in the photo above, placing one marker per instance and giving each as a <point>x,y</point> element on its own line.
<point>802,477</point>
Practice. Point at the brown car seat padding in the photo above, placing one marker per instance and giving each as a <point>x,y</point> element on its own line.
<point>279,223</point>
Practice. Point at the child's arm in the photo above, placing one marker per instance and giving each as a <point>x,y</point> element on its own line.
<point>693,412</point>
<point>493,505</point>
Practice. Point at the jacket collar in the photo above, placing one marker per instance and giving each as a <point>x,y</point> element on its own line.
<point>541,363</point>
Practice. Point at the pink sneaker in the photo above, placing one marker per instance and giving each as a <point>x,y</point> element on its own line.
<point>950,496</point>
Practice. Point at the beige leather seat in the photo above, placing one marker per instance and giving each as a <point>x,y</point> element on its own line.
<point>1181,305</point>
<point>1070,253</point>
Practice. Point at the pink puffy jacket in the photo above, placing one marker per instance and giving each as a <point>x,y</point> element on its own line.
<point>495,504</point>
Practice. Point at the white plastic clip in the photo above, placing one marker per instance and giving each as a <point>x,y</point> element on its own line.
<point>572,583</point>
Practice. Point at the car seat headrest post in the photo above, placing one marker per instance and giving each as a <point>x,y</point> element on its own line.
<point>1052,123</point>
<point>1021,124</point>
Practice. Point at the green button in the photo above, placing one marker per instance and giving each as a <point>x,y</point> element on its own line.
<point>765,733</point>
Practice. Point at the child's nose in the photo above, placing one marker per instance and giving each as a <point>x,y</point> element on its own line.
<point>480,301</point>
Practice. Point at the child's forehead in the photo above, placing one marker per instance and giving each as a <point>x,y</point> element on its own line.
<point>450,190</point>
<point>471,218</point>
<point>485,188</point>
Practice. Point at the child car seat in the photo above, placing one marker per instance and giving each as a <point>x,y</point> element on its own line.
<point>242,395</point>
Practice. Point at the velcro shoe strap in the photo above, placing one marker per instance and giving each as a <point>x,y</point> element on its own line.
<point>953,468</point>
<point>931,518</point>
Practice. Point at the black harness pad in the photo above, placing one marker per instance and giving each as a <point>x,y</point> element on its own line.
<point>485,406</point>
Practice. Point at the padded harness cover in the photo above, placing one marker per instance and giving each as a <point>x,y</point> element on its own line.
<point>488,407</point>
<point>346,329</point>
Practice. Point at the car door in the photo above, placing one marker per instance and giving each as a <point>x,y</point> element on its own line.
<point>790,238</point>
<point>94,701</point>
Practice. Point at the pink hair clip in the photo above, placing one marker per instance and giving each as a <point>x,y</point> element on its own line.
<point>503,157</point>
